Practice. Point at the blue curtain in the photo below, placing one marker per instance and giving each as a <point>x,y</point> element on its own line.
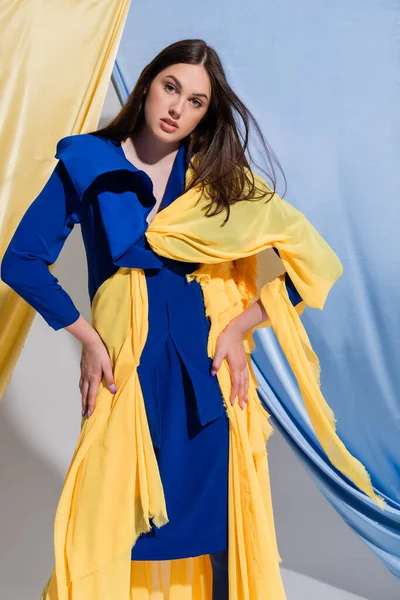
<point>322,81</point>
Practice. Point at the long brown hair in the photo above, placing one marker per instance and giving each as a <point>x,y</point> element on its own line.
<point>216,142</point>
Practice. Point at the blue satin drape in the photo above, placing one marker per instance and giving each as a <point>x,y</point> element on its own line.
<point>279,391</point>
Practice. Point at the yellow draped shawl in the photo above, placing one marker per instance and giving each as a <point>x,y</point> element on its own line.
<point>113,487</point>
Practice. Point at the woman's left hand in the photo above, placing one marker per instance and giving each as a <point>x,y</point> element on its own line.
<point>230,346</point>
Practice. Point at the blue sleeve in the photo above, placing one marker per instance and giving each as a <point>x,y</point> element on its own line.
<point>36,244</point>
<point>292,291</point>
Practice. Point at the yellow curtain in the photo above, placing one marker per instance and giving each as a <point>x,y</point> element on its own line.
<point>57,59</point>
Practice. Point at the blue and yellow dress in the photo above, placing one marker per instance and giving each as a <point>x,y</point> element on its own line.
<point>184,405</point>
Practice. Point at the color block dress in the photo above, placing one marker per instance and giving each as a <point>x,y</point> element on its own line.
<point>185,409</point>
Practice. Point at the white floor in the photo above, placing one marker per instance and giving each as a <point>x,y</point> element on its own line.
<point>301,587</point>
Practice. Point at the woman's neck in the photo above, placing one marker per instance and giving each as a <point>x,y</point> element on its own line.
<point>146,150</point>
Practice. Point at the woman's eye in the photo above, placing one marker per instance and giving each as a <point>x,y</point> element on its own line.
<point>169,85</point>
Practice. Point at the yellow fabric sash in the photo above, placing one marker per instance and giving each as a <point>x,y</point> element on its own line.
<point>113,485</point>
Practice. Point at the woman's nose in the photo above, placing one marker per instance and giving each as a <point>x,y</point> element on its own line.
<point>176,110</point>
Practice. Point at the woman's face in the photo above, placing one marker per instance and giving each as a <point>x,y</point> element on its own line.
<point>181,92</point>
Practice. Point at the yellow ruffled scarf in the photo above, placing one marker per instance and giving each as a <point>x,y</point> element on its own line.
<point>113,486</point>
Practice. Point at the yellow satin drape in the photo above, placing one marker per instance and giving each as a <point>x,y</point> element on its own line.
<point>47,91</point>
<point>113,486</point>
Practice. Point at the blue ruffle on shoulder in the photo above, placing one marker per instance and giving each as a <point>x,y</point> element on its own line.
<point>124,204</point>
<point>124,201</point>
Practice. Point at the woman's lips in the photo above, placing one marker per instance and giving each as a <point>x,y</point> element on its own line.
<point>167,126</point>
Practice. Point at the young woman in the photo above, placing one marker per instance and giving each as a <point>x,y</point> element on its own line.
<point>181,112</point>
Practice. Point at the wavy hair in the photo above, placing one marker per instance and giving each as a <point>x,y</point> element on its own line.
<point>217,142</point>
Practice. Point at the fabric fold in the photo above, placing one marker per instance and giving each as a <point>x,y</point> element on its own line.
<point>124,212</point>
<point>296,345</point>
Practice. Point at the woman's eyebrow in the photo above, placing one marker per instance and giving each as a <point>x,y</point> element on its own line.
<point>178,83</point>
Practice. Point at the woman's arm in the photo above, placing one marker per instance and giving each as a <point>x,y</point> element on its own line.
<point>35,246</point>
<point>253,316</point>
<point>230,346</point>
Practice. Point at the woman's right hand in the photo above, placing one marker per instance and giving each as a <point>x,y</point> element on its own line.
<point>95,361</point>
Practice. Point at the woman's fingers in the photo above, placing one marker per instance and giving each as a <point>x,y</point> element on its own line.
<point>240,385</point>
<point>230,346</point>
<point>236,383</point>
<point>95,361</point>
<point>89,389</point>
<point>94,383</point>
<point>217,360</point>
<point>108,376</point>
<point>84,385</point>
<point>242,390</point>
